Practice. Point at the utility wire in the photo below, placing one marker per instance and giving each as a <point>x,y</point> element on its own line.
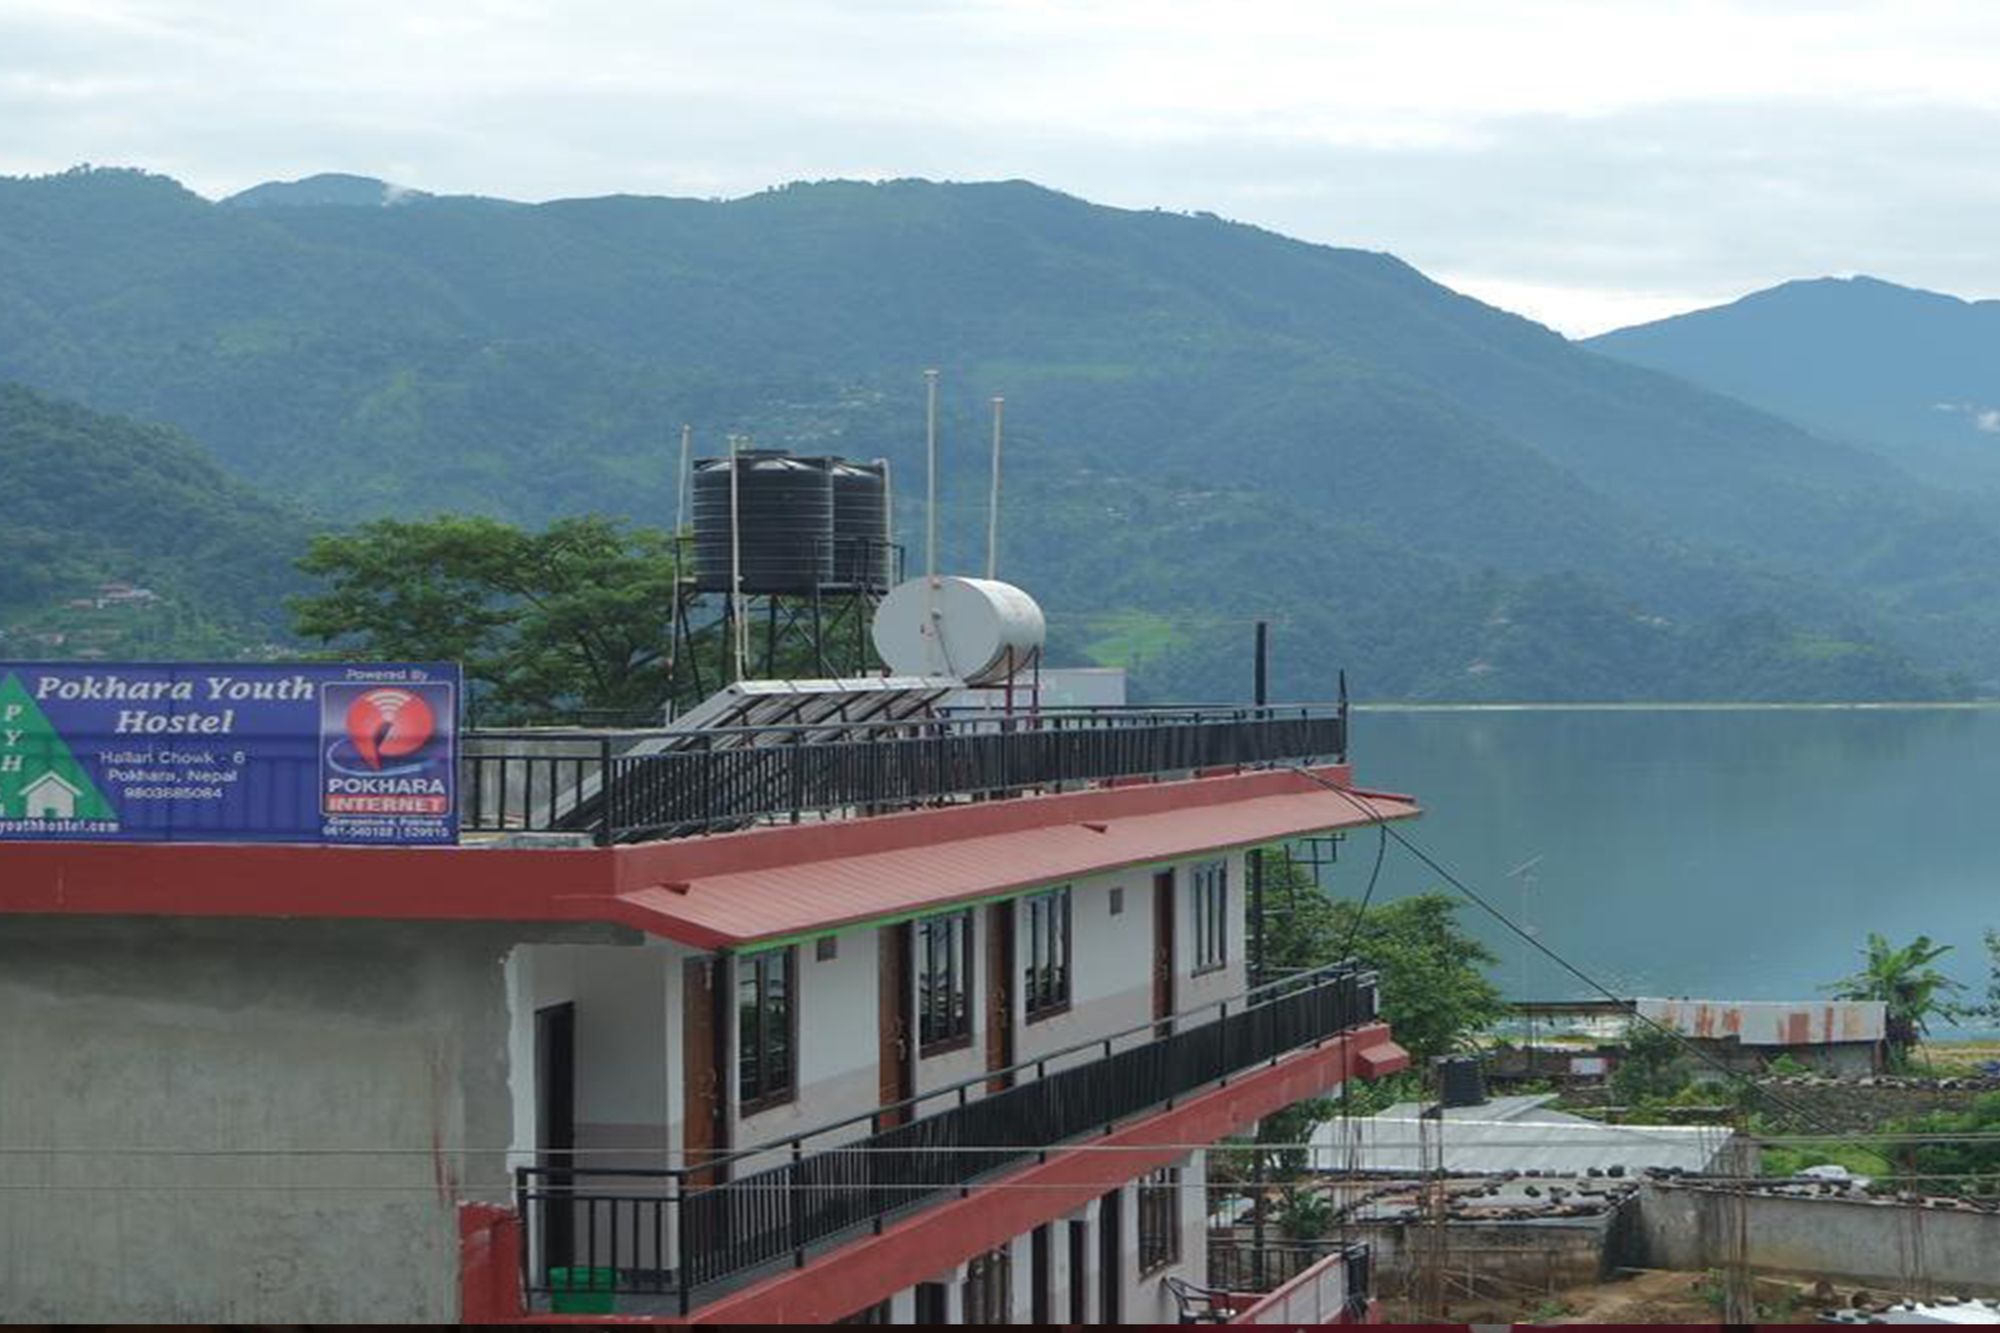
<point>1475,897</point>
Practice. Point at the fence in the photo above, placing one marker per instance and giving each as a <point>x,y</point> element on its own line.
<point>663,1234</point>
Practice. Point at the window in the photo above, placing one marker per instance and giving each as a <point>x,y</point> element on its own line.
<point>767,1073</point>
<point>944,983</point>
<point>988,1287</point>
<point>826,948</point>
<point>1047,973</point>
<point>1211,915</point>
<point>1117,902</point>
<point>1159,1219</point>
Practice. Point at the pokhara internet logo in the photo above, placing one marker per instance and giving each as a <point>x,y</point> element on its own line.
<point>384,725</point>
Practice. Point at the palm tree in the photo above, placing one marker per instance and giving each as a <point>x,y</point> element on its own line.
<point>1905,981</point>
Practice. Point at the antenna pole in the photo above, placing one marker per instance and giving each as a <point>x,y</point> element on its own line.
<point>680,524</point>
<point>930,476</point>
<point>681,479</point>
<point>930,514</point>
<point>889,519</point>
<point>993,497</point>
<point>738,636</point>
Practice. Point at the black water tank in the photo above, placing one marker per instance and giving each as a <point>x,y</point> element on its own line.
<point>860,525</point>
<point>786,506</point>
<point>1461,1082</point>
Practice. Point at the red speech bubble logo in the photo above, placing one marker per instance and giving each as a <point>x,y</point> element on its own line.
<point>388,724</point>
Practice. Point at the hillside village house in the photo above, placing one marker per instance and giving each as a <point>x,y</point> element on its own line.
<point>948,1054</point>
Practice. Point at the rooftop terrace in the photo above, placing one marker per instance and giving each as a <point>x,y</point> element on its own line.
<point>808,759</point>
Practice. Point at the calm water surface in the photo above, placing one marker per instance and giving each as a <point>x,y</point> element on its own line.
<point>1732,853</point>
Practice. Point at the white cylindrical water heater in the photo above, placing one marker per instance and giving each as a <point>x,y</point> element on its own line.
<point>977,630</point>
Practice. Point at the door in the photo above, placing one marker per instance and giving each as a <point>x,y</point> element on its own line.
<point>555,1127</point>
<point>896,1019</point>
<point>1000,983</point>
<point>1110,1259</point>
<point>1163,953</point>
<point>705,1086</point>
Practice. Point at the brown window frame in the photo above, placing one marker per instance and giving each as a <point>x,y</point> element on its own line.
<point>1050,958</point>
<point>946,1027</point>
<point>1159,1208</point>
<point>1208,899</point>
<point>753,1051</point>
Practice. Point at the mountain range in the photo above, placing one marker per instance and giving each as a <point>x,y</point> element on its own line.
<point>1208,423</point>
<point>1910,374</point>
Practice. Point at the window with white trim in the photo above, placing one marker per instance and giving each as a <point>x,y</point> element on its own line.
<point>1209,894</point>
<point>1047,954</point>
<point>944,983</point>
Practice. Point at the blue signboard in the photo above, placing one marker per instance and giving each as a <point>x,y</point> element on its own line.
<point>229,752</point>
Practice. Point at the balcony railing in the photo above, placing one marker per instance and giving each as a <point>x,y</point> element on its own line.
<point>1326,1282</point>
<point>670,1238</point>
<point>625,786</point>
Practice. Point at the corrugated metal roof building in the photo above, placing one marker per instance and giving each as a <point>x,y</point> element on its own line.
<point>1839,1036</point>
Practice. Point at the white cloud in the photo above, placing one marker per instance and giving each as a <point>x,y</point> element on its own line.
<point>1586,160</point>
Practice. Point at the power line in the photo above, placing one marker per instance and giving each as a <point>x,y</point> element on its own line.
<point>1679,1038</point>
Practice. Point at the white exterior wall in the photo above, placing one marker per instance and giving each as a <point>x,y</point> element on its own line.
<point>1111,961</point>
<point>1143,1299</point>
<point>1146,1299</point>
<point>630,1065</point>
<point>838,1052</point>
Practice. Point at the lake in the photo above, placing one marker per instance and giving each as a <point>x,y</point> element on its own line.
<point>1716,853</point>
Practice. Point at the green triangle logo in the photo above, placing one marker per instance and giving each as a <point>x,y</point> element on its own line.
<point>39,777</point>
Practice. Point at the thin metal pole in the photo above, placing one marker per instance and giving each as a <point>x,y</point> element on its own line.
<point>738,642</point>
<point>680,522</point>
<point>930,474</point>
<point>930,519</point>
<point>993,497</point>
<point>1263,670</point>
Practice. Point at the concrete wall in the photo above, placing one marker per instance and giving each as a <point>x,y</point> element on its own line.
<point>1499,1257</point>
<point>245,1121</point>
<point>1877,1244</point>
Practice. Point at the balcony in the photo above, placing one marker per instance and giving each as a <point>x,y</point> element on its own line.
<point>664,1241</point>
<point>632,786</point>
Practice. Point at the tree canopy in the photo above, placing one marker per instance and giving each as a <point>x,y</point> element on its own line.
<point>1435,992</point>
<point>548,625</point>
<point>1904,980</point>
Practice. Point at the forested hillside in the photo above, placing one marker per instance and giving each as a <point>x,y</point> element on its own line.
<point>1912,374</point>
<point>1207,422</point>
<point>95,500</point>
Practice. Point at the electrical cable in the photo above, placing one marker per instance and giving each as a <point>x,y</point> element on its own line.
<point>1733,1076</point>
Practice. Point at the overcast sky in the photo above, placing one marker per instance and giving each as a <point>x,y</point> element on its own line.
<point>1589,163</point>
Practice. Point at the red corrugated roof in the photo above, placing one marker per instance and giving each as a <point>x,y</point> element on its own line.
<point>743,907</point>
<point>715,892</point>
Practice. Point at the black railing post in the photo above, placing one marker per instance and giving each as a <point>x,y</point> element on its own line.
<point>606,784</point>
<point>795,1195</point>
<point>683,1270</point>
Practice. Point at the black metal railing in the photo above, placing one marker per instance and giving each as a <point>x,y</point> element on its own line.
<point>1233,1265</point>
<point>674,1234</point>
<point>634,785</point>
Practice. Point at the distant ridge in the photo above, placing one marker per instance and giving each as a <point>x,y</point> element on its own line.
<point>1911,374</point>
<point>329,188</point>
<point>1208,423</point>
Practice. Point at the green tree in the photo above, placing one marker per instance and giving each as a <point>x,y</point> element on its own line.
<point>1435,992</point>
<point>1904,980</point>
<point>1655,1064</point>
<point>546,624</point>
